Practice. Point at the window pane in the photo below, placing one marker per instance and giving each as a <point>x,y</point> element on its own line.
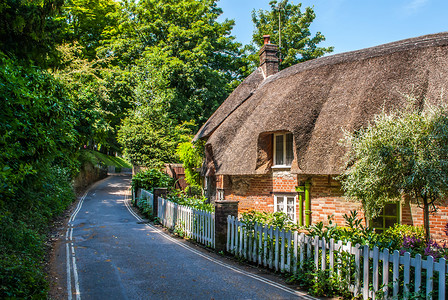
<point>390,209</point>
<point>279,150</point>
<point>280,204</point>
<point>290,208</point>
<point>390,222</point>
<point>289,150</point>
<point>377,222</point>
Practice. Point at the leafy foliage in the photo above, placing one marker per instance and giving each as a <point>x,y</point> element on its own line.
<point>24,28</point>
<point>195,202</point>
<point>297,43</point>
<point>37,162</point>
<point>150,141</point>
<point>36,124</point>
<point>150,179</point>
<point>400,153</point>
<point>277,219</point>
<point>191,156</point>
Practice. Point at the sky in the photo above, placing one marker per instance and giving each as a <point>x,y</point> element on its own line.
<point>352,24</point>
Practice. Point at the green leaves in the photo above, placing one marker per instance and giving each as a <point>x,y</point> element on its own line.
<point>36,122</point>
<point>297,43</point>
<point>401,153</point>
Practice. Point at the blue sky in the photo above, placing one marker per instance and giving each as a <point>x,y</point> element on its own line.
<point>353,24</point>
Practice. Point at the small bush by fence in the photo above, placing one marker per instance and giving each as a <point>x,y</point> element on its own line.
<point>365,271</point>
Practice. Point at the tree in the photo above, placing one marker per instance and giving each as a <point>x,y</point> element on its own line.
<point>287,21</point>
<point>200,60</point>
<point>401,153</point>
<point>23,29</point>
<point>151,139</point>
<point>88,21</point>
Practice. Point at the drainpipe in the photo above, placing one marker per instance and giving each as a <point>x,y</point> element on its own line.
<point>307,204</point>
<point>300,190</point>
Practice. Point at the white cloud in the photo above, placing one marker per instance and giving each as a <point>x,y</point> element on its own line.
<point>414,6</point>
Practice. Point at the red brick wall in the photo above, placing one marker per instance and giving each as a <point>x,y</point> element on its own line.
<point>411,214</point>
<point>257,193</point>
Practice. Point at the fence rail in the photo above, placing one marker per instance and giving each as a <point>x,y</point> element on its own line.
<point>370,272</point>
<point>195,224</point>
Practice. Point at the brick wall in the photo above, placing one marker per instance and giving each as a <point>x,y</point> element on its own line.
<point>257,193</point>
<point>411,214</point>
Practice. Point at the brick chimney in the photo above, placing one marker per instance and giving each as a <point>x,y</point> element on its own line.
<point>268,57</point>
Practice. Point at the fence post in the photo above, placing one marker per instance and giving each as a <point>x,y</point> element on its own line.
<point>223,208</point>
<point>158,192</point>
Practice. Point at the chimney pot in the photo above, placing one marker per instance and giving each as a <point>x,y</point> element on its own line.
<point>267,39</point>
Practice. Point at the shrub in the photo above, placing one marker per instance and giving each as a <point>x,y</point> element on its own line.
<point>150,179</point>
<point>195,202</point>
<point>277,219</point>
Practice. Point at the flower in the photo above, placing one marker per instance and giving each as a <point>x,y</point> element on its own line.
<point>433,249</point>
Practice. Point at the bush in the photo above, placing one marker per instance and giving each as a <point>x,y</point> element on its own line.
<point>195,202</point>
<point>150,179</point>
<point>277,219</point>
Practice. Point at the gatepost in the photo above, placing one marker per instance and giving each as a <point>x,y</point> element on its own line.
<point>223,208</point>
<point>158,192</point>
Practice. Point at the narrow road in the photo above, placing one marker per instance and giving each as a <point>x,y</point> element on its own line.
<point>110,254</point>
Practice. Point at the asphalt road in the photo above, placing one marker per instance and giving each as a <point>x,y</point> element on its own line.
<point>110,254</point>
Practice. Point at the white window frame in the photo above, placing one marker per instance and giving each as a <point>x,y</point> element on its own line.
<point>285,207</point>
<point>284,149</point>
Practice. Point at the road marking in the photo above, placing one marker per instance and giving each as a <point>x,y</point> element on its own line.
<point>70,255</point>
<point>235,269</point>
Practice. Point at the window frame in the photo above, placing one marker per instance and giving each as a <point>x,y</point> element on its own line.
<point>384,215</point>
<point>274,150</point>
<point>285,207</point>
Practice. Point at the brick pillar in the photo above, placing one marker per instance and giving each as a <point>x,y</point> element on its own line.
<point>223,209</point>
<point>158,192</point>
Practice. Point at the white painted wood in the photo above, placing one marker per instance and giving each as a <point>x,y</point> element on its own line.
<point>331,255</point>
<point>302,249</point>
<point>395,269</point>
<point>442,268</point>
<point>365,271</point>
<point>375,274</point>
<point>282,245</point>
<point>260,244</point>
<point>418,272</point>
<point>357,252</point>
<point>265,246</point>
<point>323,261</point>
<point>429,274</point>
<point>295,256</point>
<point>385,259</point>
<point>407,273</point>
<point>271,247</point>
<point>276,241</point>
<point>289,251</point>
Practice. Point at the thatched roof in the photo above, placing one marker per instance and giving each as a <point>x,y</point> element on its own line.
<point>317,100</point>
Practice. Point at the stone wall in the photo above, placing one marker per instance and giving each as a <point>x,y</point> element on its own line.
<point>88,175</point>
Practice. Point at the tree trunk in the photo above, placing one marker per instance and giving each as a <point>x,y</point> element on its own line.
<point>426,217</point>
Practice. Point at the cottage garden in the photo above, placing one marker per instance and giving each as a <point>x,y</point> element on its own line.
<point>336,270</point>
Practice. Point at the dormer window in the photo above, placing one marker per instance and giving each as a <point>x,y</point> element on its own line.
<point>283,149</point>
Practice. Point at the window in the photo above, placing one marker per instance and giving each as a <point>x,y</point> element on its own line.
<point>283,149</point>
<point>286,204</point>
<point>388,217</point>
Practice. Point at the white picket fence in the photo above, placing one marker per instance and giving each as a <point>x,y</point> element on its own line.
<point>196,224</point>
<point>370,272</point>
<point>146,199</point>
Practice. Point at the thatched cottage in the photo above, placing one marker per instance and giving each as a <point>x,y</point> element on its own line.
<point>280,130</point>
